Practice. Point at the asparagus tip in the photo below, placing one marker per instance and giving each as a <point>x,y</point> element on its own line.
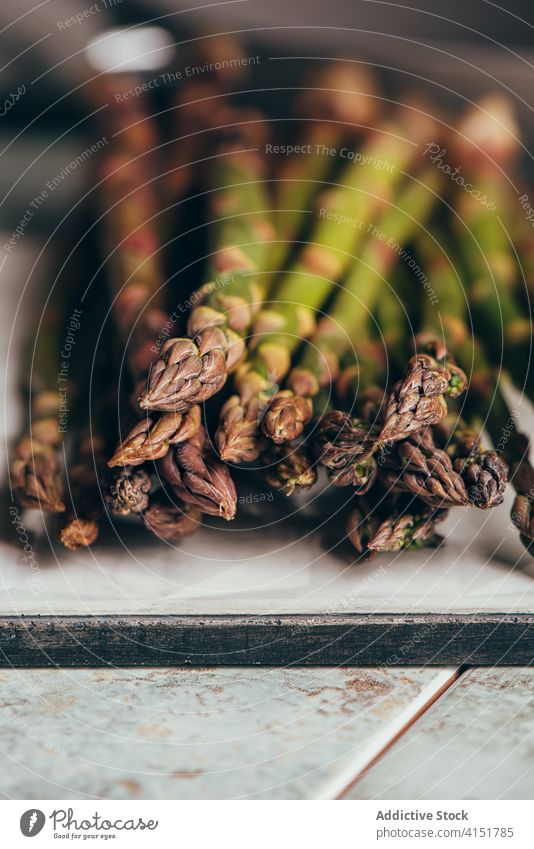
<point>286,417</point>
<point>128,491</point>
<point>78,533</point>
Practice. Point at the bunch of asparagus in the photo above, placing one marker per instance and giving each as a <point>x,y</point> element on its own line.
<point>360,315</point>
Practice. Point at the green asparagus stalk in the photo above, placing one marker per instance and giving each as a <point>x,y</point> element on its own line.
<point>361,389</point>
<point>136,278</point>
<point>392,523</point>
<point>361,385</point>
<point>348,317</point>
<point>338,103</point>
<point>483,472</point>
<point>487,252</point>
<point>488,139</point>
<point>135,275</point>
<point>344,213</point>
<point>416,465</point>
<point>522,234</point>
<point>124,120</point>
<point>394,324</point>
<point>492,279</point>
<point>486,143</point>
<point>36,476</point>
<point>151,437</point>
<point>79,525</point>
<point>346,446</point>
<point>361,525</point>
<point>193,369</point>
<point>199,110</point>
<point>200,106</point>
<point>432,373</point>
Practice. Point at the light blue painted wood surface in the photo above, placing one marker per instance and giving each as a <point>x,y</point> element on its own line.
<point>187,734</point>
<point>476,742</point>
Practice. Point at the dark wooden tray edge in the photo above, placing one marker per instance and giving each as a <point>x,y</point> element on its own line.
<point>300,640</point>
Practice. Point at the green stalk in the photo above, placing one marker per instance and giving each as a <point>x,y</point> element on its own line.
<point>444,327</point>
<point>339,102</point>
<point>493,275</point>
<point>191,370</point>
<point>344,213</point>
<point>484,478</point>
<point>36,467</point>
<point>488,146</point>
<point>346,325</point>
<point>36,464</point>
<point>133,252</point>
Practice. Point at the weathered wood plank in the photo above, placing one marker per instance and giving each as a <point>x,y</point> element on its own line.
<point>365,640</point>
<point>476,742</point>
<point>208,733</point>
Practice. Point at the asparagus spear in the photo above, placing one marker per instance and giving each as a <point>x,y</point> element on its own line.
<point>418,400</point>
<point>128,491</point>
<point>191,370</point>
<point>392,523</point>
<point>416,465</point>
<point>498,419</point>
<point>348,316</point>
<point>362,523</point>
<point>199,478</point>
<point>79,525</point>
<point>360,387</point>
<point>136,281</point>
<point>200,106</point>
<point>486,143</point>
<point>279,328</point>
<point>36,466</point>
<point>410,526</point>
<point>150,438</point>
<point>337,104</point>
<point>432,374</point>
<point>483,471</point>
<point>346,447</point>
<point>169,521</point>
<point>486,249</point>
<point>289,469</point>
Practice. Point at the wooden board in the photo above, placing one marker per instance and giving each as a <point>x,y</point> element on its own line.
<point>200,734</point>
<point>334,640</point>
<point>476,742</point>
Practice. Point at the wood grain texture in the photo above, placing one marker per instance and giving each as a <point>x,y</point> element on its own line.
<point>190,734</point>
<point>476,742</point>
<point>332,640</point>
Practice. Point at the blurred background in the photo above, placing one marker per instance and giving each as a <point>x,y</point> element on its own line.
<point>50,50</point>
